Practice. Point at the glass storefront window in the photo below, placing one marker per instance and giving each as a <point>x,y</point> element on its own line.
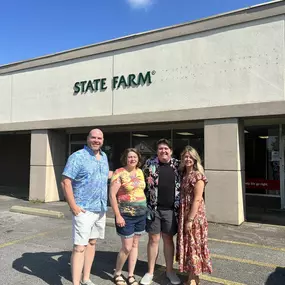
<point>182,138</point>
<point>76,146</point>
<point>145,141</point>
<point>262,157</point>
<point>114,146</point>
<point>78,137</point>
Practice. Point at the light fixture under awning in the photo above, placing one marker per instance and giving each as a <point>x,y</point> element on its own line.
<point>185,134</point>
<point>140,135</point>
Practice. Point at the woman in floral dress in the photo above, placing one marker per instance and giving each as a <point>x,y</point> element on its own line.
<point>193,254</point>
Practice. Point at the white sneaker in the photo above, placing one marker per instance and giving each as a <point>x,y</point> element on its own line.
<point>88,282</point>
<point>173,278</point>
<point>147,279</point>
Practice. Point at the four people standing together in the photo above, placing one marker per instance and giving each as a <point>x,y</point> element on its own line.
<point>164,198</point>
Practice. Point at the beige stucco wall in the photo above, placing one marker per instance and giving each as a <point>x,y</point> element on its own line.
<point>5,98</point>
<point>48,156</point>
<point>235,65</point>
<point>224,158</point>
<point>45,94</point>
<point>227,66</point>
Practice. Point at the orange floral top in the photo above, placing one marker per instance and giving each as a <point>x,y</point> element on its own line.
<point>131,197</point>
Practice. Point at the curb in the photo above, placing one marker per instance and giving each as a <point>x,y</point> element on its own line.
<point>37,212</point>
<point>110,222</point>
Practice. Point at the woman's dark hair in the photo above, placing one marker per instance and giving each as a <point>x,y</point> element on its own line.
<point>124,157</point>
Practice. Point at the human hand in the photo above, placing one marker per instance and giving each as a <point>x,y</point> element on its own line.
<point>188,227</point>
<point>76,210</point>
<point>120,221</point>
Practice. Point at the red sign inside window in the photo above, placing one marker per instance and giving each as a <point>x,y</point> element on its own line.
<point>262,184</point>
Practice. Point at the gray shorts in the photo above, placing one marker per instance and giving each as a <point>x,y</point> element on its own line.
<point>164,222</point>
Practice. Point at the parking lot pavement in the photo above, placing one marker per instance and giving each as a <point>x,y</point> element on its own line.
<point>36,250</point>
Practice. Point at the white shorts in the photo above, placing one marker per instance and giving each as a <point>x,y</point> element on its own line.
<point>88,225</point>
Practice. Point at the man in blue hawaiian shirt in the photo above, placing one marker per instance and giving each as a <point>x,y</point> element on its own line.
<point>84,184</point>
<point>162,192</point>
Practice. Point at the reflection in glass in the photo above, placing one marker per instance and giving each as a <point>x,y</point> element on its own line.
<point>262,157</point>
<point>114,146</point>
<point>182,138</point>
<point>145,142</point>
<point>75,147</point>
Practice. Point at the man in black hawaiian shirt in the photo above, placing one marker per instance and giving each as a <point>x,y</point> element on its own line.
<point>162,192</point>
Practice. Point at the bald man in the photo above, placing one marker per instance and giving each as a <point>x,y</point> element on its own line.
<point>84,184</point>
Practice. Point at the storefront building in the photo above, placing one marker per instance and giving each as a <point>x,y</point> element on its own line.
<point>216,84</point>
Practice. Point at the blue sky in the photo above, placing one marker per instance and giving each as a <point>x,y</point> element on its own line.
<point>33,28</point>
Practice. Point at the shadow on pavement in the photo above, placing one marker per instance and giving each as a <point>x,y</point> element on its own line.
<point>105,263</point>
<point>48,266</point>
<point>277,277</point>
<point>15,192</point>
<point>51,267</point>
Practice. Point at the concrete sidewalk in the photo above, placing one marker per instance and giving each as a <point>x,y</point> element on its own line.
<point>248,254</point>
<point>267,235</point>
<point>251,254</point>
<point>61,209</point>
<point>6,203</point>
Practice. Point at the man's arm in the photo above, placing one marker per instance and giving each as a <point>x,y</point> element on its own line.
<point>66,185</point>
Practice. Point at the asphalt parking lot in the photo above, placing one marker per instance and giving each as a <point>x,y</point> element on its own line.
<point>36,250</point>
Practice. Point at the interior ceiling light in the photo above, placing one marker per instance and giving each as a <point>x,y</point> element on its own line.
<point>263,137</point>
<point>140,135</point>
<point>246,132</point>
<point>185,134</point>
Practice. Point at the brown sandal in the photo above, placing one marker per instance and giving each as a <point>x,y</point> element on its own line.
<point>119,280</point>
<point>191,282</point>
<point>134,282</point>
<point>197,280</point>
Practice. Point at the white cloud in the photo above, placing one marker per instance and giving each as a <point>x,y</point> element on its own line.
<point>137,4</point>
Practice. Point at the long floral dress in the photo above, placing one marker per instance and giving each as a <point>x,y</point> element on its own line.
<point>193,255</point>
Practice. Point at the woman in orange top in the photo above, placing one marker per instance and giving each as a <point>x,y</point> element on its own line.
<point>129,205</point>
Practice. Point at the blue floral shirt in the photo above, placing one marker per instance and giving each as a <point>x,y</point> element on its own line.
<point>89,179</point>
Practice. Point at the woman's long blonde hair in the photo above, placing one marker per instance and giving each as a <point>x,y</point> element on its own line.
<point>197,160</point>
